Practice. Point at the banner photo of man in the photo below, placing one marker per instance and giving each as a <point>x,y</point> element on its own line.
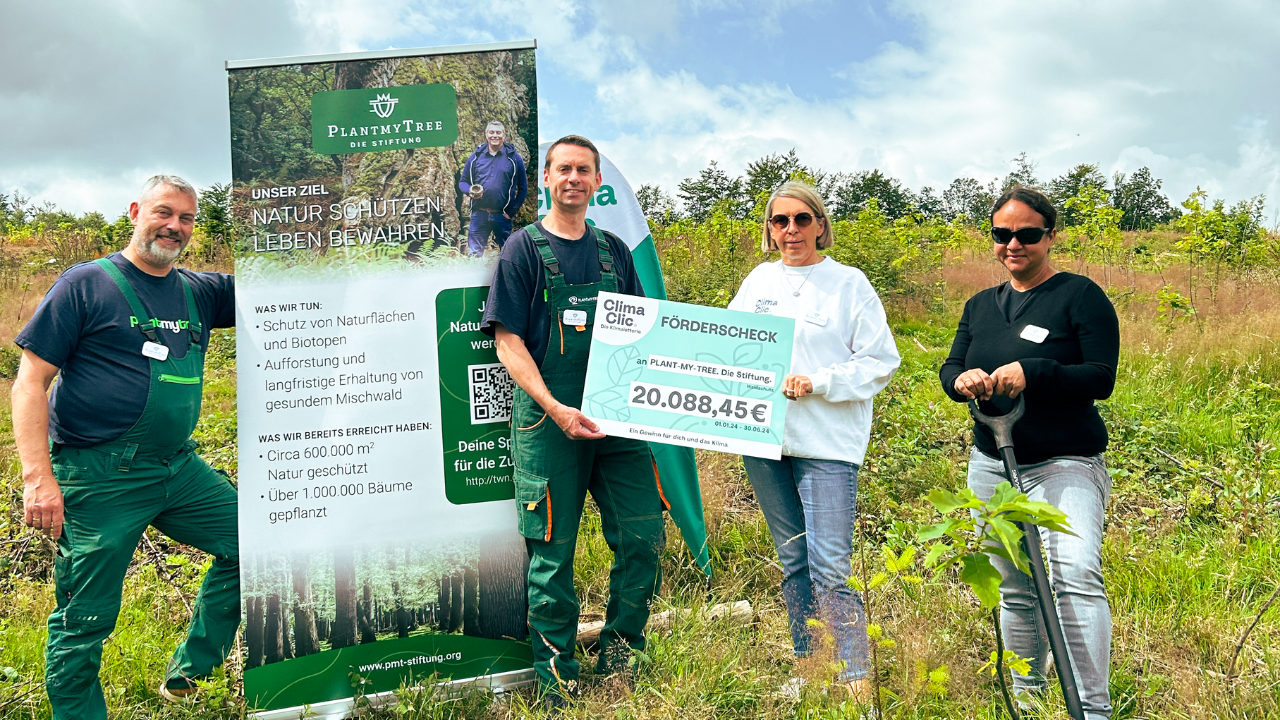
<point>379,541</point>
<point>496,182</point>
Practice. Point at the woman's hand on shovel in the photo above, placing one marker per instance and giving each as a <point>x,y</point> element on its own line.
<point>1009,380</point>
<point>975,384</point>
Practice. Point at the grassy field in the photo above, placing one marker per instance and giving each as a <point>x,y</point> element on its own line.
<point>1190,557</point>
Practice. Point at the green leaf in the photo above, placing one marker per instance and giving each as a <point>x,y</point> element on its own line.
<point>890,559</point>
<point>1010,537</point>
<point>945,501</point>
<point>877,580</point>
<point>980,575</point>
<point>1004,493</point>
<point>1019,665</point>
<point>936,551</point>
<point>939,678</point>
<point>907,557</point>
<point>935,531</point>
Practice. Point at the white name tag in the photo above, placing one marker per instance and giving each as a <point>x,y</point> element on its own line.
<point>817,317</point>
<point>1034,334</point>
<point>576,318</point>
<point>155,350</point>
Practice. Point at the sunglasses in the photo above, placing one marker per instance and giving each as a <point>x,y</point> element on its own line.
<point>1026,236</point>
<point>803,220</point>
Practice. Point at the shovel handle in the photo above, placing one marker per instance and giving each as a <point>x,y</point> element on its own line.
<point>1001,425</point>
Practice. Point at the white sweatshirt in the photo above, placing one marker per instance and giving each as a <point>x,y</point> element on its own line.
<point>842,343</point>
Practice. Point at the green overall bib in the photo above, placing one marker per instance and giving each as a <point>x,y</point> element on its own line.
<point>111,492</point>
<point>553,475</point>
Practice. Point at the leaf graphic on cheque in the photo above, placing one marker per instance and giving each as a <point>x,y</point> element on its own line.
<point>720,386</point>
<point>747,354</point>
<point>609,404</point>
<point>622,366</point>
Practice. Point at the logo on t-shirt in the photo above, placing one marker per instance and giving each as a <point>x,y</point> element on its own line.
<point>173,325</point>
<point>765,306</point>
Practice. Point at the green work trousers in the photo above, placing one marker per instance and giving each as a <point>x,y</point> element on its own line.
<point>110,498</point>
<point>553,476</point>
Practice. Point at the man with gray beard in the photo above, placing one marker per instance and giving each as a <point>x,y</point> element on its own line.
<point>109,452</point>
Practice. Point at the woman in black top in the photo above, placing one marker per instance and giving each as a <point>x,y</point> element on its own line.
<point>1053,336</point>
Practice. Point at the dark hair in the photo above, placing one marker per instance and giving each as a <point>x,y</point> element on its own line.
<point>572,140</point>
<point>1033,199</point>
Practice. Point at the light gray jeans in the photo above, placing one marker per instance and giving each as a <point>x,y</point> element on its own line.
<point>1080,487</point>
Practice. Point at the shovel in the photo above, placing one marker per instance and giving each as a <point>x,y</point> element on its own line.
<point>1002,427</point>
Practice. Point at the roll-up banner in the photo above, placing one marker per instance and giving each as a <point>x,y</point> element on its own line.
<point>376,548</point>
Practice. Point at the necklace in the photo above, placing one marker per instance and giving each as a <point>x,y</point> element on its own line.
<point>796,290</point>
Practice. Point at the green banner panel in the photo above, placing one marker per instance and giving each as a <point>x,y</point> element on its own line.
<point>381,119</point>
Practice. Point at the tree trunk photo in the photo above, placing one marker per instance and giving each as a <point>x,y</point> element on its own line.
<point>343,632</point>
<point>306,638</point>
<point>455,603</point>
<point>368,632</point>
<point>504,602</point>
<point>274,636</point>
<point>253,633</point>
<point>470,602</point>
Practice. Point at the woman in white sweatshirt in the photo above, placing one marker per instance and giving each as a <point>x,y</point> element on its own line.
<point>844,354</point>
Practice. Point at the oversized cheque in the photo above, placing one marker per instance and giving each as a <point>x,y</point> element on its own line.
<point>689,375</point>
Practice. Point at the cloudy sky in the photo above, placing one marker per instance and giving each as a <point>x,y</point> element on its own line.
<point>97,95</point>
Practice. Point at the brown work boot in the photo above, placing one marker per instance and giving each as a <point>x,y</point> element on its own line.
<point>179,689</point>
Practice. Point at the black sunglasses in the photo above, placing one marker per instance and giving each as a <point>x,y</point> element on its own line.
<point>803,220</point>
<point>1026,236</point>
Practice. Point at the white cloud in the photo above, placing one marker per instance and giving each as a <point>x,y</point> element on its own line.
<point>1177,86</point>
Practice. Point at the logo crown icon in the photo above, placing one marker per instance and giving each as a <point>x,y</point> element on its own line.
<point>383,105</point>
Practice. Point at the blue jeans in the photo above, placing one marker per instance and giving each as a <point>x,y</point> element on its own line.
<point>1080,487</point>
<point>484,222</point>
<point>810,506</point>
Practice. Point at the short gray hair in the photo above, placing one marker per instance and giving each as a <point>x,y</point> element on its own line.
<point>805,193</point>
<point>495,122</point>
<point>172,181</point>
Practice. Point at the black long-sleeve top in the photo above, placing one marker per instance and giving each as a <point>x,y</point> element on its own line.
<point>1066,370</point>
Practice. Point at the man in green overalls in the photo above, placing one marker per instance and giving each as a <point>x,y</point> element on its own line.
<point>541,308</point>
<point>110,451</point>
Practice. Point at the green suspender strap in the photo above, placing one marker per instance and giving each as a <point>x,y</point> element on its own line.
<point>146,323</point>
<point>554,277</point>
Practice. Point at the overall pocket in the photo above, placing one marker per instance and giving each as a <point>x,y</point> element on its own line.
<point>533,507</point>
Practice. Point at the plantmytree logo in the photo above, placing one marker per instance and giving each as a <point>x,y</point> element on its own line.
<point>425,116</point>
<point>384,105</point>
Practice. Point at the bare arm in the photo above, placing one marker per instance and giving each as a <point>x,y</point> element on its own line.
<point>515,356</point>
<point>41,496</point>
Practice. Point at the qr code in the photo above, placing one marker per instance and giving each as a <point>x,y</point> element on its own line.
<point>491,388</point>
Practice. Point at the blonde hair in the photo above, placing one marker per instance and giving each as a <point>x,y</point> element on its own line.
<point>805,193</point>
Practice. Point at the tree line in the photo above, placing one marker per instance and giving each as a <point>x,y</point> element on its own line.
<point>1138,195</point>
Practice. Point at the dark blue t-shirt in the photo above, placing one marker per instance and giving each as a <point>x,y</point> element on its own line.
<point>515,297</point>
<point>82,326</point>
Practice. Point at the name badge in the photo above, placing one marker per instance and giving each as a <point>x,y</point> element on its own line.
<point>1034,334</point>
<point>816,317</point>
<point>155,350</point>
<point>576,318</point>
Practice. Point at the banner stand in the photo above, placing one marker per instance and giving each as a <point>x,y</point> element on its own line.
<point>378,530</point>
